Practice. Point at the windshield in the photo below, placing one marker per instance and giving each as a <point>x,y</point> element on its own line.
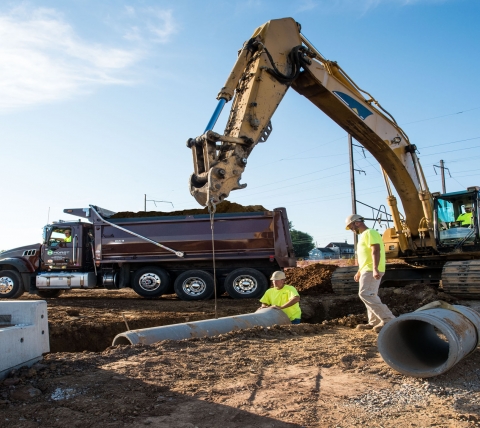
<point>455,215</point>
<point>445,211</point>
<point>54,235</point>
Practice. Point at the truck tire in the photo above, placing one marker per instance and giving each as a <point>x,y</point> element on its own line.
<point>49,294</point>
<point>151,281</point>
<point>246,283</point>
<point>11,286</point>
<point>194,285</point>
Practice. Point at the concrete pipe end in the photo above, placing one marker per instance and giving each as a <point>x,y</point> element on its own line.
<point>419,345</point>
<point>124,339</point>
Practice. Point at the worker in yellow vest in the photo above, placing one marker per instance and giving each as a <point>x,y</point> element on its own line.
<point>283,296</point>
<point>68,235</point>
<point>466,217</point>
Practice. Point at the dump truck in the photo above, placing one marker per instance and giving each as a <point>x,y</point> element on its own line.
<point>152,255</point>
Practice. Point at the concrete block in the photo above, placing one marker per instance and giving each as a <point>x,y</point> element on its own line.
<point>23,333</point>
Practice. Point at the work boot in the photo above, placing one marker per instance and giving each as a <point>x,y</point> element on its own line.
<point>364,326</point>
<point>378,327</point>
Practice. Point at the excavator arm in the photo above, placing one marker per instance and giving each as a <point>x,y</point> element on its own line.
<point>278,57</point>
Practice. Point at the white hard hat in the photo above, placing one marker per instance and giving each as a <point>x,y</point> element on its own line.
<point>278,275</point>
<point>351,218</point>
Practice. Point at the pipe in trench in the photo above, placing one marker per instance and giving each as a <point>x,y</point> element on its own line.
<point>431,340</point>
<point>263,317</point>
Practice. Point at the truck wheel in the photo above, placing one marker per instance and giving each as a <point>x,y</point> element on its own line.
<point>194,285</point>
<point>49,294</point>
<point>151,282</point>
<point>245,283</point>
<point>11,286</point>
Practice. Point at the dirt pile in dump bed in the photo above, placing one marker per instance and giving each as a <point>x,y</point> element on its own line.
<point>224,207</point>
<point>311,280</point>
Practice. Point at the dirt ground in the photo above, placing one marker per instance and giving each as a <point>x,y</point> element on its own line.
<point>321,373</point>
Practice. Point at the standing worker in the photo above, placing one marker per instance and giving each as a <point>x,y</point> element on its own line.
<point>283,296</point>
<point>371,267</point>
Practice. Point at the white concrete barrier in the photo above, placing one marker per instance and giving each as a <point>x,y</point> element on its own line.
<point>23,333</point>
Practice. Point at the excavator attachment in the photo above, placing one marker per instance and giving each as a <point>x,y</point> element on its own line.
<point>216,174</point>
<point>266,65</point>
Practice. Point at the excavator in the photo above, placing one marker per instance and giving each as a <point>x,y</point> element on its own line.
<point>435,247</point>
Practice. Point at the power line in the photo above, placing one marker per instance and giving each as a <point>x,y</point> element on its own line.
<point>438,117</point>
<point>449,151</point>
<point>344,136</point>
<point>303,175</point>
<point>298,153</point>
<point>451,142</point>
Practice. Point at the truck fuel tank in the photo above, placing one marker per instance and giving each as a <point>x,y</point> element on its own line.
<point>66,280</point>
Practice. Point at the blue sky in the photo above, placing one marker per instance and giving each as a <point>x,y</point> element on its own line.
<point>97,100</point>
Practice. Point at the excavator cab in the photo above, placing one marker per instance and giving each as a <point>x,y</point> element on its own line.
<point>456,220</point>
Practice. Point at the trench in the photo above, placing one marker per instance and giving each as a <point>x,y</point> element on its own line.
<point>95,322</point>
<point>97,335</point>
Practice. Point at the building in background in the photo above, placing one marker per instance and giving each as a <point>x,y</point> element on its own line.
<point>322,254</point>
<point>334,250</point>
<point>343,249</point>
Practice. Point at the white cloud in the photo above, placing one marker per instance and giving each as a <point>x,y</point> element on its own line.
<point>130,10</point>
<point>151,24</point>
<point>161,25</point>
<point>42,59</point>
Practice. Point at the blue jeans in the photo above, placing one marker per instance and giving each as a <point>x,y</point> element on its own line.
<point>296,321</point>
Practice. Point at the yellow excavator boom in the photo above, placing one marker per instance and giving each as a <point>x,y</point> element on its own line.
<point>278,57</point>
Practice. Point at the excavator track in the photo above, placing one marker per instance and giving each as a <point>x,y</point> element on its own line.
<point>462,279</point>
<point>342,280</point>
<point>396,275</point>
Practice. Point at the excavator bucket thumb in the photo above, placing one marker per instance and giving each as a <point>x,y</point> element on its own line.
<point>217,184</point>
<point>197,190</point>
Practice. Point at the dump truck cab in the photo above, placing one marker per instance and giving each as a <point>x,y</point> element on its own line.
<point>67,246</point>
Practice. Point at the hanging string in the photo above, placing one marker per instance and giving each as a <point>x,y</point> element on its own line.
<point>211,209</point>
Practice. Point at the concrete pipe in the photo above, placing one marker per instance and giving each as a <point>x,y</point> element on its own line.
<point>431,340</point>
<point>263,317</point>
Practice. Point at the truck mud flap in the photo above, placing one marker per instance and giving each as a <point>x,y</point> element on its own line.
<point>462,279</point>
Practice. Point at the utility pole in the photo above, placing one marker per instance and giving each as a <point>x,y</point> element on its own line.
<point>442,174</point>
<point>442,171</point>
<point>352,186</point>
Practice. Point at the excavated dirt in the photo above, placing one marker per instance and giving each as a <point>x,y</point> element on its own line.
<point>312,279</point>
<point>322,373</point>
<point>222,208</point>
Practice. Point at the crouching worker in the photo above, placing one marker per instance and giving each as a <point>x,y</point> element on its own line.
<point>283,296</point>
